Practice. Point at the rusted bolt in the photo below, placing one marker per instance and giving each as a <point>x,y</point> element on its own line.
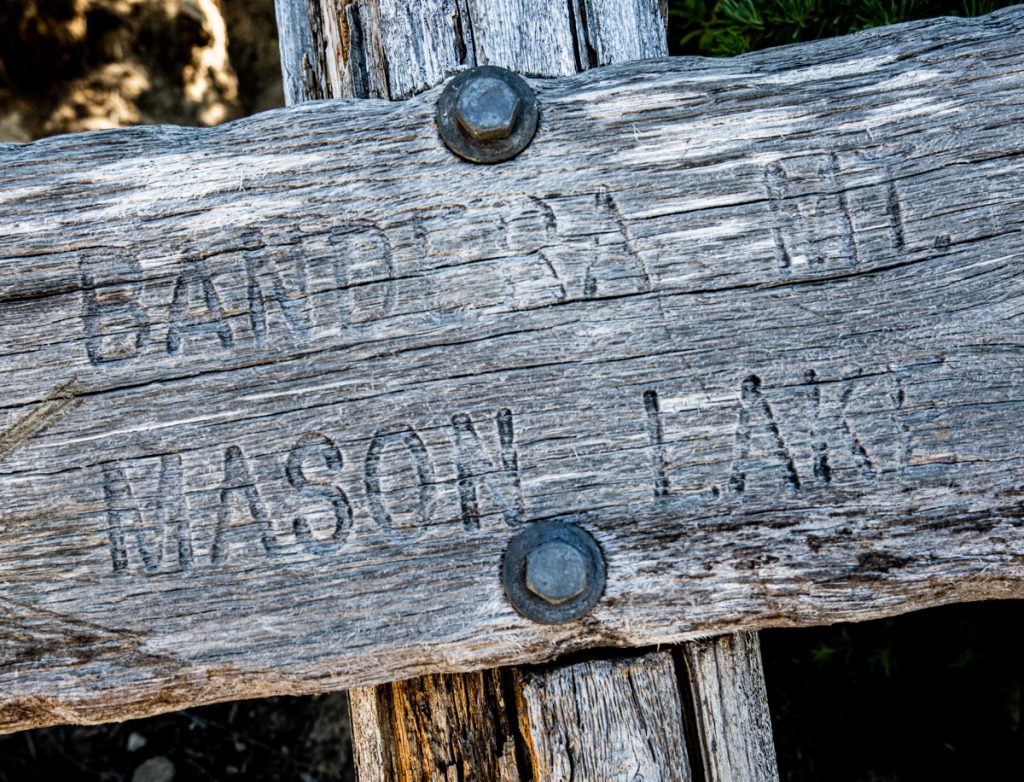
<point>553,572</point>
<point>487,109</point>
<point>487,114</point>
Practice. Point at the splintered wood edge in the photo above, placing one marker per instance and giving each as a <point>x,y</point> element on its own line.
<point>598,719</point>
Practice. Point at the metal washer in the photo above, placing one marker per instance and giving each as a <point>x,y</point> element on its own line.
<point>459,142</point>
<point>513,572</point>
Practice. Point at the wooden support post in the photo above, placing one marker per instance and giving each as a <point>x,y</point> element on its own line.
<point>731,708</point>
<point>624,718</point>
<point>394,49</point>
<point>599,719</point>
<point>594,720</point>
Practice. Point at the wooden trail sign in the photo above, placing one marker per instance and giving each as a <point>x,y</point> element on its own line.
<point>300,378</point>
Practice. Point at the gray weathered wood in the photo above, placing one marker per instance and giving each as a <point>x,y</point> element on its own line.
<point>753,323</point>
<point>395,49</point>
<point>606,720</point>
<point>593,720</point>
<point>439,727</point>
<point>731,707</point>
<point>295,40</point>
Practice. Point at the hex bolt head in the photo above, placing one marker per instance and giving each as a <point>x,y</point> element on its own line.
<point>553,572</point>
<point>487,114</point>
<point>487,109</point>
<point>556,572</point>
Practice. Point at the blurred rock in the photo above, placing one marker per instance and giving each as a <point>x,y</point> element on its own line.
<point>156,769</point>
<point>136,741</point>
<point>71,65</point>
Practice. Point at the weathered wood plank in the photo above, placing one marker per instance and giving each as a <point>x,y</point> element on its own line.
<point>752,323</point>
<point>295,41</point>
<point>605,719</point>
<point>731,706</point>
<point>395,49</point>
<point>439,727</point>
<point>593,720</point>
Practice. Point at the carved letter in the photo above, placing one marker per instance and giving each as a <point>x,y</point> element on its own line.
<point>616,251</point>
<point>531,229</point>
<point>239,484</point>
<point>196,308</point>
<point>756,417</point>
<point>476,469</point>
<point>171,534</point>
<point>319,447</point>
<point>364,263</point>
<point>656,435</point>
<point>406,437</point>
<point>830,425</point>
<point>812,229</point>
<point>116,325</point>
<point>261,272</point>
<point>816,219</point>
<point>894,211</point>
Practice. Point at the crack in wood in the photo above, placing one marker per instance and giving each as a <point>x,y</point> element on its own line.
<point>34,422</point>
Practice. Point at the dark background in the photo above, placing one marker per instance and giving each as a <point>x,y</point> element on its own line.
<point>929,696</point>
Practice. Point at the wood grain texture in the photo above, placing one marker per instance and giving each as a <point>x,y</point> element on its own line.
<point>469,737</point>
<point>394,49</point>
<point>597,720</point>
<point>440,727</point>
<point>752,323</point>
<point>368,733</point>
<point>295,41</point>
<point>605,720</point>
<point>731,707</point>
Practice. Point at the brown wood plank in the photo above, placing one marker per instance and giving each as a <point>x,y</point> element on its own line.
<point>438,727</point>
<point>754,324</point>
<point>593,720</point>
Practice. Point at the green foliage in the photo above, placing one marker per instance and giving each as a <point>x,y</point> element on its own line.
<point>880,649</point>
<point>722,28</point>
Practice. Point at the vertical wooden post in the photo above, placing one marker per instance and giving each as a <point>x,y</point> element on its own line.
<point>731,708</point>
<point>600,719</point>
<point>394,49</point>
